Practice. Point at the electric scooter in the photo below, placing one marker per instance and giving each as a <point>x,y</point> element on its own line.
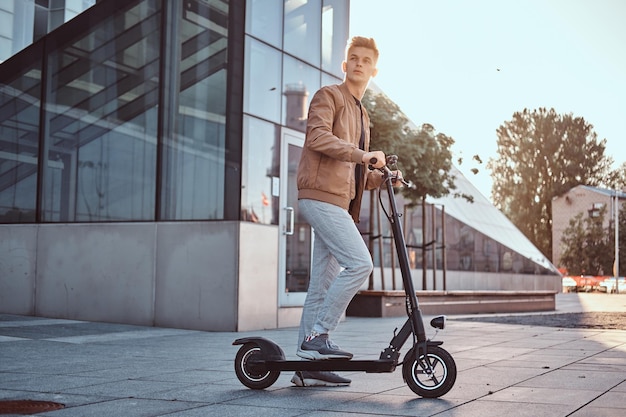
<point>427,368</point>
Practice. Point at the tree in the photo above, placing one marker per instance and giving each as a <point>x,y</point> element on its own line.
<point>389,126</point>
<point>425,156</point>
<point>587,247</point>
<point>541,155</point>
<point>616,179</point>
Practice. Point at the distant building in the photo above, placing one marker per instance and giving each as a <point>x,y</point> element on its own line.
<point>581,199</point>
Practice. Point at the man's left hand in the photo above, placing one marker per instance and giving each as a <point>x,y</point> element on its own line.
<point>396,179</point>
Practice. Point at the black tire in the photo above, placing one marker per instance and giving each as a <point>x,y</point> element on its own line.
<point>249,377</point>
<point>429,377</point>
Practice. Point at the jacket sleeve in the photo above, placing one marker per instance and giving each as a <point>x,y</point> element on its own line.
<point>324,107</point>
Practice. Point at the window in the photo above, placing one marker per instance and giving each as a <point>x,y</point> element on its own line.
<point>262,87</point>
<point>261,153</point>
<point>264,20</point>
<point>329,80</point>
<point>596,210</point>
<point>302,30</point>
<point>335,23</point>
<point>194,148</point>
<point>101,121</point>
<point>19,134</point>
<point>300,81</point>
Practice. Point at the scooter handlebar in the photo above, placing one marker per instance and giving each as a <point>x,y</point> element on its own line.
<point>391,160</point>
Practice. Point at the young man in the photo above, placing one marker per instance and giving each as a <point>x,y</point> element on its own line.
<point>332,175</point>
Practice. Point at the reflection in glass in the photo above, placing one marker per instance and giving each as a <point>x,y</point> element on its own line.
<point>335,23</point>
<point>301,82</point>
<point>466,248</point>
<point>193,161</point>
<point>264,20</point>
<point>260,172</point>
<point>330,80</point>
<point>101,121</point>
<point>302,30</point>
<point>262,85</point>
<point>298,244</point>
<point>19,130</point>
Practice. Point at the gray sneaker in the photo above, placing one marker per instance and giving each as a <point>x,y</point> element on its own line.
<point>319,379</point>
<point>321,347</point>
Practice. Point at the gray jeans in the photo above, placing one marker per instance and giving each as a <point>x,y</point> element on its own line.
<point>338,244</point>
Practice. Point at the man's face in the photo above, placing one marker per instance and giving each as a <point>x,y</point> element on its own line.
<point>360,65</point>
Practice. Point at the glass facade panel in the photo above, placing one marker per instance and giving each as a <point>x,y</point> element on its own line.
<point>19,135</point>
<point>264,20</point>
<point>466,248</point>
<point>329,79</point>
<point>261,153</point>
<point>279,85</point>
<point>194,157</point>
<point>300,82</point>
<point>6,24</point>
<point>262,85</point>
<point>303,25</point>
<point>335,24</point>
<point>120,118</point>
<point>22,34</point>
<point>299,244</point>
<point>101,121</point>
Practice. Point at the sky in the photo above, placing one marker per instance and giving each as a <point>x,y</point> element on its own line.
<point>466,66</point>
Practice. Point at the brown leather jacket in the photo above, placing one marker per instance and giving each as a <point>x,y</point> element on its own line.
<point>331,151</point>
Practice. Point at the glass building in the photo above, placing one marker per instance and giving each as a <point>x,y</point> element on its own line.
<point>148,151</point>
<point>26,21</point>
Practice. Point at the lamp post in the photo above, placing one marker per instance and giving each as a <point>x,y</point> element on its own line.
<point>616,266</point>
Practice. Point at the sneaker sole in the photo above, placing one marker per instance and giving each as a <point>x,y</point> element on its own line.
<point>316,356</point>
<point>308,382</point>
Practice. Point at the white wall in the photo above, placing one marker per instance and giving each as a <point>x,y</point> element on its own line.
<point>18,269</point>
<point>258,277</point>
<point>180,275</point>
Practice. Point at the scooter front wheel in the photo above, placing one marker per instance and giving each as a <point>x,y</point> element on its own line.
<point>431,375</point>
<point>250,375</point>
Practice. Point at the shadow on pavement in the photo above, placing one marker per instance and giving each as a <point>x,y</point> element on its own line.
<point>585,320</point>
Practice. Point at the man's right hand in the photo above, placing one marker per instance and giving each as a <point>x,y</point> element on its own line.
<point>378,155</point>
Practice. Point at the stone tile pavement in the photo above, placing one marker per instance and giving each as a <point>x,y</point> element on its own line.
<point>103,369</point>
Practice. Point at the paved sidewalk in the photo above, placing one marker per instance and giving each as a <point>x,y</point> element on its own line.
<point>101,369</point>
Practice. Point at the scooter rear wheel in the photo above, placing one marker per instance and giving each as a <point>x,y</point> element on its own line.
<point>248,374</point>
<point>429,376</point>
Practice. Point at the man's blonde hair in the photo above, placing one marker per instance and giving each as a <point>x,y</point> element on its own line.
<point>364,42</point>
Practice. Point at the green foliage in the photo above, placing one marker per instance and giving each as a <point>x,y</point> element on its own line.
<point>616,179</point>
<point>389,126</point>
<point>424,155</point>
<point>587,246</point>
<point>541,155</point>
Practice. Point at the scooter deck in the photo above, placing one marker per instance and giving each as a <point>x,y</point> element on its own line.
<point>368,366</point>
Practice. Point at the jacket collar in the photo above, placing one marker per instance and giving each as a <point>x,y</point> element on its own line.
<point>346,92</point>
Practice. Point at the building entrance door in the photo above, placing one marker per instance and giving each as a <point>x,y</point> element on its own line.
<point>295,242</point>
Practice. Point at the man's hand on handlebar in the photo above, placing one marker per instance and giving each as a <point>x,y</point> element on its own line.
<point>397,180</point>
<point>375,158</point>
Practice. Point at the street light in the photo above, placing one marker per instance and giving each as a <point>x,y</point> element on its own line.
<point>616,264</point>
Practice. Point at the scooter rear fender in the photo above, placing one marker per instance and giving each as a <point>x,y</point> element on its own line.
<point>270,351</point>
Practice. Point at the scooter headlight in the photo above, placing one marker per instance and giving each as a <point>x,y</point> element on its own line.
<point>438,322</point>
